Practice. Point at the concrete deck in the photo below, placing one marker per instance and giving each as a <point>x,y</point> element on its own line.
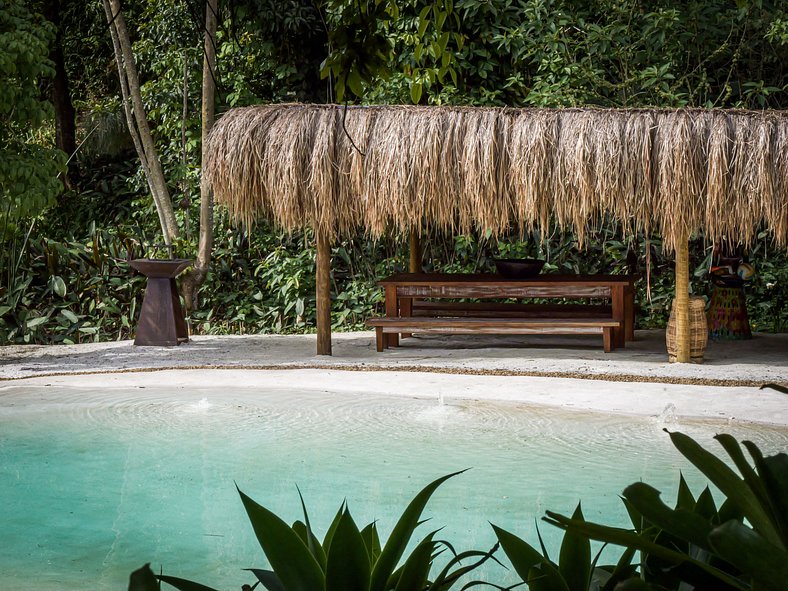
<point>763,359</point>
<point>566,372</point>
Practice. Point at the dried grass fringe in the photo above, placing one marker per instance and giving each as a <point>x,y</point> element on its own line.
<point>493,169</point>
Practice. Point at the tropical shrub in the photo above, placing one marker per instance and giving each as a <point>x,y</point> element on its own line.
<point>348,558</point>
<point>575,570</point>
<point>742,546</point>
<point>739,546</point>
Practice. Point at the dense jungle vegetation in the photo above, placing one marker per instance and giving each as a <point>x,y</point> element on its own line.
<point>75,205</point>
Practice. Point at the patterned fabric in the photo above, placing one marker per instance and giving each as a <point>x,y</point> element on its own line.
<point>727,314</point>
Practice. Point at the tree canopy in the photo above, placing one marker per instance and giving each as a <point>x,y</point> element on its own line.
<point>28,166</point>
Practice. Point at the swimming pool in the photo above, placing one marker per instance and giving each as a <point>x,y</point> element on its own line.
<point>95,482</point>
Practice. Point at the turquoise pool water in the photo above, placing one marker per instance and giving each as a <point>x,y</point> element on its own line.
<point>94,483</point>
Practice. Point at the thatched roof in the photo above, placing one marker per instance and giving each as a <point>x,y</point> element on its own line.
<point>673,171</point>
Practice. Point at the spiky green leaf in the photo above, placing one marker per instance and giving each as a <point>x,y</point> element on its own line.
<point>400,536</point>
<point>289,556</point>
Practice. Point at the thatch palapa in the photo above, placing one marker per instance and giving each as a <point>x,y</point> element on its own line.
<point>459,168</point>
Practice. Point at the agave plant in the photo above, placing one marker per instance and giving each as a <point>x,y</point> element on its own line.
<point>349,558</point>
<point>743,546</point>
<point>575,570</point>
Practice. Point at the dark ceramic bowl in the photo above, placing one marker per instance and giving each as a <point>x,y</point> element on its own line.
<point>519,268</point>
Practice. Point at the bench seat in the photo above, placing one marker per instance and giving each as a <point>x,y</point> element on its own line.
<point>509,309</point>
<point>475,325</point>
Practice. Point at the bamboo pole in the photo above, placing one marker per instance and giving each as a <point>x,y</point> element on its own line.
<point>323,294</point>
<point>681,303</point>
<point>415,253</point>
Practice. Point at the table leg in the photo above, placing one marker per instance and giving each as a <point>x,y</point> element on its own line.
<point>392,310</point>
<point>406,309</point>
<point>619,313</point>
<point>629,312</point>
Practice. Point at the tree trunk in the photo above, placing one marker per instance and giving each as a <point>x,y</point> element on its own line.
<point>65,115</point>
<point>414,265</point>
<point>682,302</point>
<point>196,277</point>
<point>137,120</point>
<point>323,294</point>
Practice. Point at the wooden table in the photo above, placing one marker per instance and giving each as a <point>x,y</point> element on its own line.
<point>401,289</point>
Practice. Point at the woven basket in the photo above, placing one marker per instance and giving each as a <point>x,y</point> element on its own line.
<point>699,332</point>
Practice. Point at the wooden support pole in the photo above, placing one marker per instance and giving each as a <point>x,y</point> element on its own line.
<point>323,294</point>
<point>415,253</point>
<point>681,303</point>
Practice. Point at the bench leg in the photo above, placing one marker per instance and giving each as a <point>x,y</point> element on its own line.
<point>379,343</point>
<point>406,309</point>
<point>607,338</point>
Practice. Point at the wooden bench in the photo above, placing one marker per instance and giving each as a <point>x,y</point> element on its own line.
<point>433,308</point>
<point>475,325</point>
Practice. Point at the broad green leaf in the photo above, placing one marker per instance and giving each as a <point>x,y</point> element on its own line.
<point>371,541</point>
<point>752,554</point>
<point>354,82</point>
<point>58,285</point>
<point>745,469</point>
<point>300,528</point>
<point>339,88</point>
<point>183,584</point>
<point>684,498</point>
<point>574,560</point>
<point>525,557</point>
<point>417,566</point>
<point>624,569</point>
<point>347,562</point>
<point>268,579</point>
<point>143,579</point>
<point>4,310</point>
<point>684,524</point>
<point>446,578</point>
<point>70,316</point>
<point>629,539</point>
<point>705,505</point>
<point>422,26</point>
<point>332,528</point>
<point>311,541</point>
<point>773,471</point>
<point>402,533</point>
<point>727,481</point>
<point>444,39</point>
<point>638,523</point>
<point>415,92</point>
<point>33,322</point>
<point>289,557</point>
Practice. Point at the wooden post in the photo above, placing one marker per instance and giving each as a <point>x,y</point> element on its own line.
<point>323,293</point>
<point>681,303</point>
<point>415,253</point>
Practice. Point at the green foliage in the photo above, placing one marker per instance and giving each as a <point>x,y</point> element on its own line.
<point>609,53</point>
<point>697,544</point>
<point>349,558</point>
<point>575,570</point>
<point>502,52</point>
<point>28,171</point>
<point>361,48</point>
<point>71,292</point>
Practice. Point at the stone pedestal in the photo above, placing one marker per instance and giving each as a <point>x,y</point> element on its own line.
<point>162,322</point>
